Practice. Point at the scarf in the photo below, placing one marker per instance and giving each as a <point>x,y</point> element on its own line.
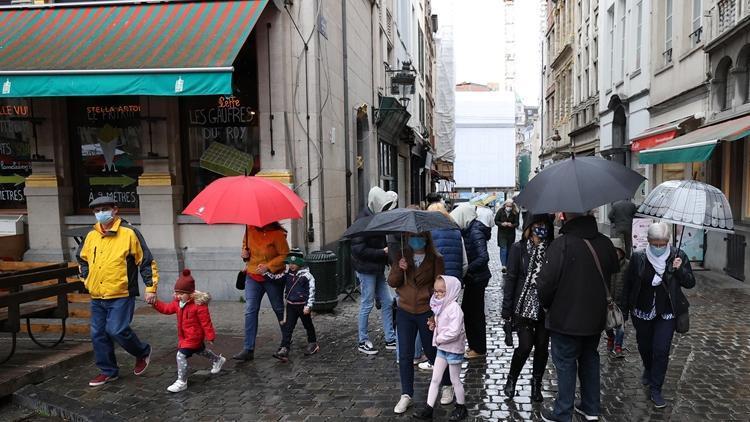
<point>436,304</point>
<point>659,263</point>
<point>528,304</point>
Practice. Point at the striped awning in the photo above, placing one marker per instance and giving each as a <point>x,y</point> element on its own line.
<point>174,48</point>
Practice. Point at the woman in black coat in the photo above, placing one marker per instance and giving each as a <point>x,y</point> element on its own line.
<point>476,279</point>
<point>653,297</point>
<point>521,302</point>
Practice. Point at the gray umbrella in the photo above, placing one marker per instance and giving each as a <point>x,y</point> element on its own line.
<point>579,184</point>
<point>689,203</point>
<point>400,220</point>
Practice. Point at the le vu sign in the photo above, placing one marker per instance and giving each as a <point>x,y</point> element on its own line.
<point>16,134</point>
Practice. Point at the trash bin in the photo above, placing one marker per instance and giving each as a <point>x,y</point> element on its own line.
<point>322,265</point>
<point>344,270</point>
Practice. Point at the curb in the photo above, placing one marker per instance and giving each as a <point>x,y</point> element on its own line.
<point>52,404</point>
<point>69,359</point>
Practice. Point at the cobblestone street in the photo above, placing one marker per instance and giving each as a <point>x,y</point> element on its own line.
<point>707,378</point>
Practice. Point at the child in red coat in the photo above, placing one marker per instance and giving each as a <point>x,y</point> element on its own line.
<point>193,328</point>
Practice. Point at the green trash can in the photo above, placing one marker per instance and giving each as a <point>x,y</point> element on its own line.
<point>322,265</point>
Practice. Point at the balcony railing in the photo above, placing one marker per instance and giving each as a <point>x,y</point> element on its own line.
<point>725,15</point>
<point>667,56</point>
<point>697,35</point>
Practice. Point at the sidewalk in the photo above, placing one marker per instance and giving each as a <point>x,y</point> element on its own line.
<point>706,380</point>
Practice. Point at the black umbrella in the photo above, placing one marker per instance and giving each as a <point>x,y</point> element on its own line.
<point>400,220</point>
<point>579,185</point>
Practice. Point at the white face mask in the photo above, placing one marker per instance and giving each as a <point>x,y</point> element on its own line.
<point>508,209</point>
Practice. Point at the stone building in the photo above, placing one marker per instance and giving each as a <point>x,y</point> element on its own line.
<point>558,80</point>
<point>584,135</point>
<point>166,97</point>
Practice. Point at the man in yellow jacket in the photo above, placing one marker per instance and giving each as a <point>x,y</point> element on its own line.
<point>110,259</point>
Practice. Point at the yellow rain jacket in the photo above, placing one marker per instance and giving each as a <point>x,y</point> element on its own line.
<point>111,260</point>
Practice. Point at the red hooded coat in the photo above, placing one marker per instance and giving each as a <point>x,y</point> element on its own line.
<point>193,320</point>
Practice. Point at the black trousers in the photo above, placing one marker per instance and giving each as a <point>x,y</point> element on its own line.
<point>654,342</point>
<point>294,312</point>
<point>531,334</point>
<point>474,317</point>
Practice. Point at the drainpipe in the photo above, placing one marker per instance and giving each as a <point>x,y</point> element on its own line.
<point>347,116</point>
<point>321,179</point>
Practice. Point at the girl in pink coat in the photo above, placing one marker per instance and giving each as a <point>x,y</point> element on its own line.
<point>449,338</point>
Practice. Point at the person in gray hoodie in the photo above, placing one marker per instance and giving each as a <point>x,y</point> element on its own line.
<point>369,258</point>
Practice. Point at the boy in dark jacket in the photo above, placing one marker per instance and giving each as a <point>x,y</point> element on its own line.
<point>299,297</point>
<point>616,337</point>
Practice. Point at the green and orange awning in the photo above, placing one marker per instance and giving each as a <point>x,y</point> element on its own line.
<point>698,145</point>
<point>171,48</point>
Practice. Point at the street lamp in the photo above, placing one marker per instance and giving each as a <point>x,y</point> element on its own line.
<point>402,82</point>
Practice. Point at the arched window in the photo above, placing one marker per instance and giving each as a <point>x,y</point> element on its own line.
<point>743,74</point>
<point>723,88</point>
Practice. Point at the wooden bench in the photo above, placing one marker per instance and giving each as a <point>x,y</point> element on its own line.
<point>20,301</point>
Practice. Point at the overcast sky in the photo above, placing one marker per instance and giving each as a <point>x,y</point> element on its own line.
<point>478,31</point>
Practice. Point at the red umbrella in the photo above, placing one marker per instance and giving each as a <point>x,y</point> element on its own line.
<point>250,200</point>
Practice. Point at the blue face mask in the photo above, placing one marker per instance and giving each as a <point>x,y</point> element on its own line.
<point>658,251</point>
<point>417,243</point>
<point>540,232</point>
<point>103,217</point>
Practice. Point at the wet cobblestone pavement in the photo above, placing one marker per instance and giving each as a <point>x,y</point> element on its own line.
<point>708,375</point>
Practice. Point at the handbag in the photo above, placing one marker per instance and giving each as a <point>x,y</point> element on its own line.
<point>241,278</point>
<point>682,323</point>
<point>614,314</point>
<point>242,274</point>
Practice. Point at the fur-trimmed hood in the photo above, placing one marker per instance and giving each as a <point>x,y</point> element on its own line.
<point>201,298</point>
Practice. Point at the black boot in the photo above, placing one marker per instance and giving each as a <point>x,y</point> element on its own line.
<point>459,413</point>
<point>244,355</point>
<point>424,414</point>
<point>510,387</point>
<point>516,365</point>
<point>536,389</point>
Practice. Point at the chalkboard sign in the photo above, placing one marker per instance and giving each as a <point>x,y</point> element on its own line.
<point>16,134</point>
<point>219,131</point>
<point>105,134</point>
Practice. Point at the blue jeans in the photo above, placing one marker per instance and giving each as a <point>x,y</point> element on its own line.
<point>654,341</point>
<point>110,323</point>
<point>371,285</point>
<point>253,296</point>
<point>618,334</point>
<point>411,326</point>
<point>576,355</point>
<point>504,255</point>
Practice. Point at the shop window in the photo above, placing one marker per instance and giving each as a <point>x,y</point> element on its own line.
<point>107,149</point>
<point>16,136</point>
<point>672,171</point>
<point>221,138</point>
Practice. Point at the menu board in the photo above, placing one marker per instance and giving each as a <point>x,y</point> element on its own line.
<point>106,138</point>
<point>222,137</point>
<point>16,136</point>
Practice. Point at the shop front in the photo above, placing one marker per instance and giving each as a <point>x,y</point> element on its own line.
<point>152,102</point>
<point>716,154</point>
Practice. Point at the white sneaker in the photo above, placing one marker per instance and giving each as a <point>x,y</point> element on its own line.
<point>367,348</point>
<point>177,386</point>
<point>216,367</point>
<point>447,397</point>
<point>403,404</point>
<point>425,366</point>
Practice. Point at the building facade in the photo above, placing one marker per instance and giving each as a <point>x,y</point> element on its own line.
<point>294,96</point>
<point>558,80</point>
<point>584,135</point>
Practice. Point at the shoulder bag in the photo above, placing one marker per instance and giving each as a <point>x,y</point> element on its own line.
<point>681,308</point>
<point>614,314</point>
<point>242,274</point>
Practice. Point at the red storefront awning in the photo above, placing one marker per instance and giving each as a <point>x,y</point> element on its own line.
<point>657,135</point>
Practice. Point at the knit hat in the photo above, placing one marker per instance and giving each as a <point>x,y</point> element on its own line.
<point>185,282</point>
<point>295,257</point>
